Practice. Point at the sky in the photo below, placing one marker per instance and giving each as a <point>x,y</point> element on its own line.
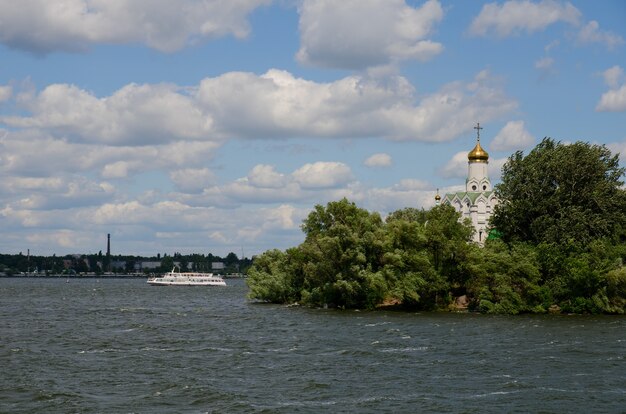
<point>216,126</point>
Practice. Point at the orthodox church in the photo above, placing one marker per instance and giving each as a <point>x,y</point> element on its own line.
<point>478,200</point>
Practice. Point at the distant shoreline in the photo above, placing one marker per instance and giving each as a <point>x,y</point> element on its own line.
<point>62,276</point>
<point>103,276</point>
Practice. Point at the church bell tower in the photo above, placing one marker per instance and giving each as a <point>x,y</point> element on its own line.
<point>478,200</point>
<point>478,160</point>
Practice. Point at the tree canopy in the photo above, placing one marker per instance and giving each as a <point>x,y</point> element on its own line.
<point>351,258</point>
<point>561,193</point>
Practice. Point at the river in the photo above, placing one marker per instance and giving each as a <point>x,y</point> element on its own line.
<point>121,346</point>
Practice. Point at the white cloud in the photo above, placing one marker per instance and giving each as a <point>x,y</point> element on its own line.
<point>619,148</point>
<point>406,193</point>
<point>591,33</point>
<point>32,153</point>
<point>545,66</point>
<point>411,184</point>
<point>60,193</point>
<point>456,167</point>
<point>135,114</point>
<point>284,217</point>
<point>544,63</point>
<point>513,136</point>
<point>553,44</point>
<point>613,76</point>
<point>379,160</point>
<point>117,169</point>
<point>495,168</point>
<point>5,93</point>
<point>275,105</point>
<point>265,176</point>
<point>613,101</point>
<point>192,180</point>
<point>357,34</point>
<point>75,25</point>
<point>515,16</point>
<point>242,191</point>
<point>323,175</point>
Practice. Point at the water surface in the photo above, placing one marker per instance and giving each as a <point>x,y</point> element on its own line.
<point>96,345</point>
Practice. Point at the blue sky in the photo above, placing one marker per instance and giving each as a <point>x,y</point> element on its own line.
<point>216,126</point>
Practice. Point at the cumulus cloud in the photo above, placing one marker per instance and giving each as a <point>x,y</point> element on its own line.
<point>513,136</point>
<point>456,167</point>
<point>378,160</point>
<point>545,66</point>
<point>265,176</point>
<point>5,93</point>
<point>322,175</point>
<point>495,168</point>
<point>273,105</point>
<point>515,16</point>
<point>310,183</point>
<point>277,104</point>
<point>406,193</point>
<point>75,25</point>
<point>61,192</point>
<point>613,76</point>
<point>135,114</point>
<point>192,180</point>
<point>333,34</point>
<point>544,63</point>
<point>591,33</point>
<point>619,148</point>
<point>613,101</point>
<point>31,153</point>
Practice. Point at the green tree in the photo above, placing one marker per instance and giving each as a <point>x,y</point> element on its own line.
<point>561,193</point>
<point>410,214</point>
<point>505,279</point>
<point>342,253</point>
<point>167,264</point>
<point>271,278</point>
<point>407,269</point>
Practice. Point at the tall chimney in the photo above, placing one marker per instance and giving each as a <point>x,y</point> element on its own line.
<point>108,244</point>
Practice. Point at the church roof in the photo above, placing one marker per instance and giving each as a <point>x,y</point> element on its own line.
<point>478,154</point>
<point>472,196</point>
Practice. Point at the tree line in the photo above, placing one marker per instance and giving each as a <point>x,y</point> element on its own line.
<point>99,263</point>
<point>557,243</point>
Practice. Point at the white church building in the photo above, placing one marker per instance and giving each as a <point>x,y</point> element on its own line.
<point>478,200</point>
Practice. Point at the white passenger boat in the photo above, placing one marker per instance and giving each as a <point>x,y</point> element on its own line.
<point>187,279</point>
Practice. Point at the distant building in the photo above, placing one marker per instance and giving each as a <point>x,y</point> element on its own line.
<point>118,264</point>
<point>218,266</point>
<point>478,200</point>
<point>145,265</point>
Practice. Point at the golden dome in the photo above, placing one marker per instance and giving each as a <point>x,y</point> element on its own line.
<point>478,154</point>
<point>437,197</point>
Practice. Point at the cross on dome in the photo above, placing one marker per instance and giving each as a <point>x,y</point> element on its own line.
<point>478,128</point>
<point>478,154</point>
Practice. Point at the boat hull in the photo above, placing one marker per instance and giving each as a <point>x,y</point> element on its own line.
<point>187,279</point>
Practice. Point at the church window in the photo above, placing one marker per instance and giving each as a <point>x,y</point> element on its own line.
<point>474,187</point>
<point>484,188</point>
